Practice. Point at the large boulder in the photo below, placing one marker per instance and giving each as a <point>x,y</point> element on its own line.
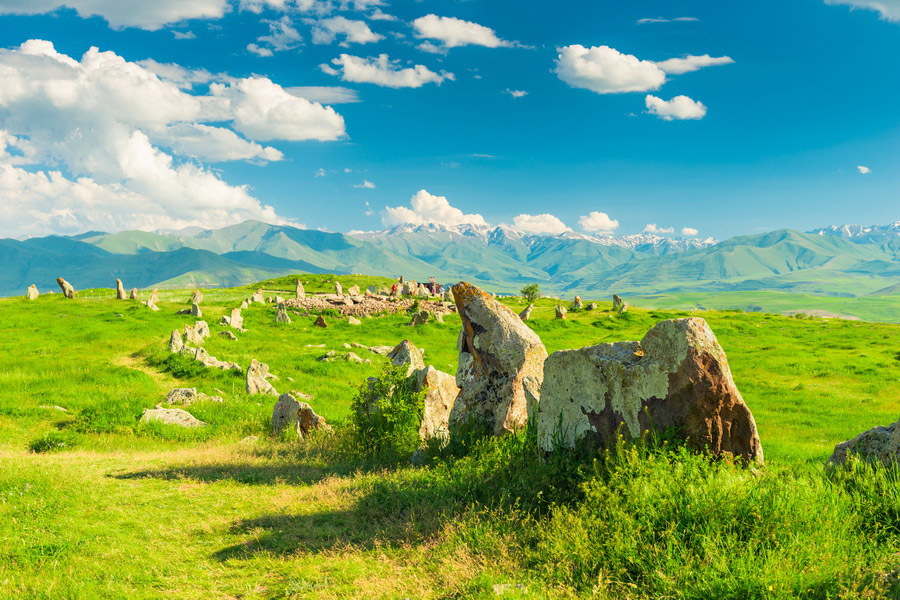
<point>32,293</point>
<point>879,444</point>
<point>120,290</point>
<point>257,382</point>
<point>407,354</point>
<point>289,413</point>
<point>501,364</point>
<point>171,416</point>
<point>66,287</point>
<point>676,377</point>
<point>440,394</point>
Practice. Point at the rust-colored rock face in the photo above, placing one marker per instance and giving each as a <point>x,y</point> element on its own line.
<point>676,377</point>
<point>66,287</point>
<point>501,364</point>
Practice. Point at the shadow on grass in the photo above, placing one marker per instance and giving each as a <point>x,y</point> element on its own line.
<point>247,474</point>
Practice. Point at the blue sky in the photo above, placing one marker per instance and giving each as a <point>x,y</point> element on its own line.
<point>795,98</point>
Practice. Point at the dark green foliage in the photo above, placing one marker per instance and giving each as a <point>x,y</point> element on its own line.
<point>385,415</point>
<point>53,441</point>
<point>531,292</point>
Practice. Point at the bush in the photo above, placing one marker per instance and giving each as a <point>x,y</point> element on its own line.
<point>531,293</point>
<point>386,414</point>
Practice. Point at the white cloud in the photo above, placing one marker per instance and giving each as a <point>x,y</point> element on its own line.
<point>888,9</point>
<point>652,228</point>
<point>366,184</point>
<point>184,35</point>
<point>320,173</point>
<point>318,7</point>
<point>326,31</point>
<point>679,107</point>
<point>91,138</point>
<point>325,94</point>
<point>598,222</point>
<point>605,70</point>
<point>149,15</point>
<point>452,32</point>
<point>428,209</point>
<point>662,20</point>
<point>383,71</point>
<point>544,224</point>
<point>282,36</point>
<point>690,63</point>
<point>260,50</point>
<point>863,170</point>
<point>515,93</point>
<point>182,77</point>
<point>690,231</point>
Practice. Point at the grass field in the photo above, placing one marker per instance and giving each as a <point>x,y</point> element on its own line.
<point>117,509</point>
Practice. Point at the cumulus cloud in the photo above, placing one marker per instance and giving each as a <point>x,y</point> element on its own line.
<point>515,93</point>
<point>321,172</point>
<point>662,20</point>
<point>653,228</point>
<point>598,222</point>
<point>452,33</point>
<point>381,70</point>
<point>427,209</point>
<point>86,140</point>
<point>366,184</point>
<point>544,224</point>
<point>605,70</point>
<point>679,107</point>
<point>326,31</point>
<point>143,15</point>
<point>690,63</point>
<point>888,9</point>
<point>282,36</point>
<point>863,170</point>
<point>325,94</point>
<point>689,231</point>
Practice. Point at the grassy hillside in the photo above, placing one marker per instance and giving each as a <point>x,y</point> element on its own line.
<point>122,509</point>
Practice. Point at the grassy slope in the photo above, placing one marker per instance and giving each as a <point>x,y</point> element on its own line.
<point>146,512</point>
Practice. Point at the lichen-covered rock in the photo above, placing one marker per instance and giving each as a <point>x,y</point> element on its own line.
<point>195,311</point>
<point>676,377</point>
<point>66,287</point>
<point>182,396</point>
<point>406,353</point>
<point>257,379</point>
<point>32,293</point>
<point>299,292</point>
<point>175,342</point>
<point>420,318</point>
<point>879,444</point>
<point>289,413</point>
<point>171,416</point>
<point>501,363</point>
<point>526,314</point>
<point>440,394</point>
<point>281,315</point>
<point>320,322</point>
<point>120,290</point>
<point>561,312</point>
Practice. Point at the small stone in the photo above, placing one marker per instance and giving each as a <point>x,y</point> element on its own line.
<point>320,322</point>
<point>229,335</point>
<point>182,396</point>
<point>353,321</point>
<point>171,416</point>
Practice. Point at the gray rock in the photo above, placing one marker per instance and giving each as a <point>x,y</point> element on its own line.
<point>120,290</point>
<point>561,312</point>
<point>195,311</point>
<point>525,315</point>
<point>229,335</point>
<point>257,297</point>
<point>171,416</point>
<point>281,315</point>
<point>32,293</point>
<point>440,394</point>
<point>175,342</point>
<point>618,303</point>
<point>236,320</point>
<point>188,396</point>
<point>879,444</point>
<point>420,318</point>
<point>197,296</point>
<point>338,289</point>
<point>353,321</point>
<point>294,416</point>
<point>66,287</point>
<point>591,306</point>
<point>257,379</point>
<point>354,290</point>
<point>299,292</point>
<point>382,350</point>
<point>202,329</point>
<point>577,304</point>
<point>406,353</point>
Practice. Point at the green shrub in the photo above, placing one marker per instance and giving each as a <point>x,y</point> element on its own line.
<point>531,293</point>
<point>386,414</point>
<point>53,441</point>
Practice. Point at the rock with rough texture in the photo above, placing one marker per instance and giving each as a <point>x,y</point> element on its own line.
<point>281,315</point>
<point>677,377</point>
<point>526,314</point>
<point>191,336</point>
<point>257,379</point>
<point>353,321</point>
<point>879,444</point>
<point>561,312</point>
<point>617,303</point>
<point>245,304</point>
<point>154,296</point>
<point>195,311</point>
<point>171,416</point>
<point>354,290</point>
<point>420,318</point>
<point>236,320</point>
<point>320,322</point>
<point>32,293</point>
<point>407,354</point>
<point>151,304</point>
<point>120,290</point>
<point>338,289</point>
<point>440,394</point>
<point>501,364</point>
<point>202,329</point>
<point>197,296</point>
<point>134,294</point>
<point>175,341</point>
<point>257,297</point>
<point>229,335</point>
<point>591,306</point>
<point>299,417</point>
<point>577,303</point>
<point>66,287</point>
<point>188,396</point>
<point>439,317</point>
<point>623,307</point>
<point>299,292</point>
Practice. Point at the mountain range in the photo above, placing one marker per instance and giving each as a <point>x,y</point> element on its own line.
<point>846,260</point>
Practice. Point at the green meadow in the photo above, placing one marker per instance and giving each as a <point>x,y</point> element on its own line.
<point>94,504</point>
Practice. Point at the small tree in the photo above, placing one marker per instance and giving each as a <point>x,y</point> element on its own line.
<point>531,292</point>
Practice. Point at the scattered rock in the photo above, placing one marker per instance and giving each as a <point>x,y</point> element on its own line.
<point>526,314</point>
<point>577,304</point>
<point>186,311</point>
<point>382,350</point>
<point>299,292</point>
<point>134,294</point>
<point>406,353</point>
<point>354,290</point>
<point>315,345</point>
<point>187,396</point>
<point>250,439</point>
<point>676,377</point>
<point>229,335</point>
<point>297,416</point>
<point>175,342</point>
<point>880,444</point>
<point>439,317</point>
<point>420,318</point>
<point>151,304</point>
<point>353,321</point>
<point>195,311</point>
<point>32,292</point>
<point>120,290</point>
<point>257,379</point>
<point>202,329</point>
<point>501,363</point>
<point>561,312</point>
<point>281,315</point>
<point>257,297</point>
<point>66,287</point>
<point>320,322</point>
<point>236,320</point>
<point>171,416</point>
<point>245,304</point>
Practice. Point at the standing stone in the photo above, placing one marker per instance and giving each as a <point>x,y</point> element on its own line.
<point>236,320</point>
<point>353,321</point>
<point>134,294</point>
<point>439,317</point>
<point>191,336</point>
<point>197,296</point>
<point>257,297</point>
<point>354,290</point>
<point>526,314</point>
<point>175,342</point>
<point>245,304</point>
<point>561,312</point>
<point>420,318</point>
<point>623,307</point>
<point>501,364</point>
<point>257,383</point>
<point>32,293</point>
<point>406,353</point>
<point>422,290</point>
<point>299,292</point>
<point>677,377</point>
<point>879,444</point>
<point>320,322</point>
<point>440,394</point>
<point>66,287</point>
<point>577,304</point>
<point>371,290</point>
<point>281,315</point>
<point>152,305</point>
<point>338,289</point>
<point>591,306</point>
<point>120,290</point>
<point>297,416</point>
<point>617,303</point>
<point>154,295</point>
<point>195,311</point>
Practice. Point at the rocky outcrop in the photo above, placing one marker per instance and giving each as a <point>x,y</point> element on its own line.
<point>257,379</point>
<point>171,416</point>
<point>561,312</point>
<point>501,364</point>
<point>66,287</point>
<point>526,314</point>
<point>677,377</point>
<point>120,290</point>
<point>879,444</point>
<point>175,342</point>
<point>32,293</point>
<point>407,354</point>
<point>299,417</point>
<point>281,315</point>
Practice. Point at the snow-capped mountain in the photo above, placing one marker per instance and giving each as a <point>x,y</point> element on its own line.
<point>860,233</point>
